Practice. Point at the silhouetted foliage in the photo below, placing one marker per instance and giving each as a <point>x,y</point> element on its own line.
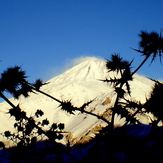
<point>150,44</point>
<point>68,107</point>
<point>39,113</point>
<point>117,64</point>
<point>122,77</point>
<point>115,146</point>
<point>14,81</point>
<point>154,103</point>
<point>38,84</point>
<point>29,130</point>
<point>2,145</point>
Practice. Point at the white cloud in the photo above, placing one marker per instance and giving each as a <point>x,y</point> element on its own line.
<point>81,59</point>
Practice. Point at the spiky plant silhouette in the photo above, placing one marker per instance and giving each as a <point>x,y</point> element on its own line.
<point>122,68</point>
<point>70,108</point>
<point>129,109</point>
<point>30,130</point>
<point>151,44</point>
<point>14,81</point>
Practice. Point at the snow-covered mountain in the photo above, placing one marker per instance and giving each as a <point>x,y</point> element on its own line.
<point>79,84</point>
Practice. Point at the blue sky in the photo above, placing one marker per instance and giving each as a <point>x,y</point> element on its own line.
<point>44,36</point>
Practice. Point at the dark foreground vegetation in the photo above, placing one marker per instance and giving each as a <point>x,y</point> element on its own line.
<point>132,142</point>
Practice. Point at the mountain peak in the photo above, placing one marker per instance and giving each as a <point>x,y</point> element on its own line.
<point>88,69</point>
<point>84,59</point>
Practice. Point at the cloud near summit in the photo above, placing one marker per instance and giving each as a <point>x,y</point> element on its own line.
<point>69,63</point>
<point>81,59</point>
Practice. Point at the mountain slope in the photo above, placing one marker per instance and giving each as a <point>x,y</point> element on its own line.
<point>79,84</point>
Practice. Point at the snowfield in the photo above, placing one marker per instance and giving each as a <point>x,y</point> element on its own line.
<point>79,84</point>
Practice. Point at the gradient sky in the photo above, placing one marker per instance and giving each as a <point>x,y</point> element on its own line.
<point>44,36</point>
